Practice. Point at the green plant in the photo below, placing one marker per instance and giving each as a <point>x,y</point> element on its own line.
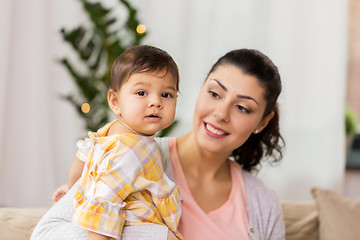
<point>350,122</point>
<point>97,46</point>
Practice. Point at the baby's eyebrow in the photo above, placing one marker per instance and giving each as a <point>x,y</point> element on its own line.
<point>171,88</point>
<point>141,83</point>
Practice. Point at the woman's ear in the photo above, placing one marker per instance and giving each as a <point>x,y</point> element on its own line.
<point>113,101</point>
<point>264,122</point>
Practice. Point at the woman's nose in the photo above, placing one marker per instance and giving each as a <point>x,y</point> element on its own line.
<point>221,113</point>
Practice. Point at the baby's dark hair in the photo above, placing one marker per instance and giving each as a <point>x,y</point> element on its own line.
<point>139,59</point>
<point>269,142</point>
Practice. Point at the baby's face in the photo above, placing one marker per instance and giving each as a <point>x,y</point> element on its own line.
<point>147,101</point>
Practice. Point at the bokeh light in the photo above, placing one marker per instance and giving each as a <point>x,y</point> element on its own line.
<point>85,108</point>
<point>141,28</point>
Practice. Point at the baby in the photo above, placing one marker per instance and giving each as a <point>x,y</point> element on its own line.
<point>123,178</point>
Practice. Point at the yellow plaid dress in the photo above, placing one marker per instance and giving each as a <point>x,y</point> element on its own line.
<point>123,179</point>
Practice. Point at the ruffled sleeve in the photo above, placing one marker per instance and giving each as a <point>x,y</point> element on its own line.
<point>100,215</point>
<point>99,205</point>
<point>170,210</point>
<point>83,149</point>
<point>84,146</point>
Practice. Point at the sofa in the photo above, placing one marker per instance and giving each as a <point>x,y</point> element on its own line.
<point>330,216</point>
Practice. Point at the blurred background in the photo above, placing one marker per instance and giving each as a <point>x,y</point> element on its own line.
<point>314,43</point>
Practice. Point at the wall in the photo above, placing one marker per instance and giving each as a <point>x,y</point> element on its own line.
<point>308,42</point>
<point>306,39</point>
<point>353,70</point>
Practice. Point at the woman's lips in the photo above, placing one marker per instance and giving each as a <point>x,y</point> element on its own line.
<point>214,131</point>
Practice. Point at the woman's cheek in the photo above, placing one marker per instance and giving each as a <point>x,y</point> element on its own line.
<point>203,101</point>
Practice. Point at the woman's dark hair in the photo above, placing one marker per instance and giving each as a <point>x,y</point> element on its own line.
<point>141,58</point>
<point>269,142</point>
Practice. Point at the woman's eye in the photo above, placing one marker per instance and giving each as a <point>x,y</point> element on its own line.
<point>166,95</point>
<point>141,93</point>
<point>243,109</point>
<point>213,94</point>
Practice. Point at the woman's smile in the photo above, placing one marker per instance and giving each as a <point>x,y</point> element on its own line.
<point>214,131</point>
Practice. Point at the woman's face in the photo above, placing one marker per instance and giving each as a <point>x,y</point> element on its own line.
<point>228,110</point>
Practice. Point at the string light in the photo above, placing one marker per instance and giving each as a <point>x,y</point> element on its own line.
<point>141,29</point>
<point>85,108</point>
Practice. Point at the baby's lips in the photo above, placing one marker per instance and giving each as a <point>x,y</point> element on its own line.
<point>154,115</point>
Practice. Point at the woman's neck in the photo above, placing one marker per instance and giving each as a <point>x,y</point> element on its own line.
<point>200,162</point>
<point>207,174</point>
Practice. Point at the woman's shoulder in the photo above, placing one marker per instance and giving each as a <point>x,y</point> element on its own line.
<point>265,213</point>
<point>164,146</point>
<point>255,187</point>
<point>252,180</point>
<point>163,143</point>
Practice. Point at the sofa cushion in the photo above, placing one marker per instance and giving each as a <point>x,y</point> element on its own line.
<point>301,221</point>
<point>18,223</point>
<point>338,216</point>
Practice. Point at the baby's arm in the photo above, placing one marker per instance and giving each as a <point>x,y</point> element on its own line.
<point>75,173</point>
<point>56,225</point>
<point>96,236</point>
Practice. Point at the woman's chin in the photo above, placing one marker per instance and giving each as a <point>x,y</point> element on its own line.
<point>211,144</point>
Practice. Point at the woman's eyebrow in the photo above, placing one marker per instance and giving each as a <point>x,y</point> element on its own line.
<point>220,84</point>
<point>247,97</point>
<point>239,96</point>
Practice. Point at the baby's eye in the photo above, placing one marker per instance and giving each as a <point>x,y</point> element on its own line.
<point>243,109</point>
<point>166,95</point>
<point>141,93</point>
<point>213,94</point>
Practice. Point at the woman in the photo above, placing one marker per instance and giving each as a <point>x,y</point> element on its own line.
<point>235,124</point>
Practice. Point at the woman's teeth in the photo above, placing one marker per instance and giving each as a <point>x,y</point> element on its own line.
<point>213,130</point>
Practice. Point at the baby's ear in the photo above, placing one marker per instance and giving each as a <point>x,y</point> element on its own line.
<point>113,101</point>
